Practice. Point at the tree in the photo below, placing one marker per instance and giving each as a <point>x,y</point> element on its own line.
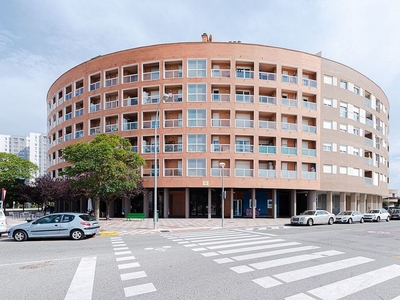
<point>14,169</point>
<point>105,167</point>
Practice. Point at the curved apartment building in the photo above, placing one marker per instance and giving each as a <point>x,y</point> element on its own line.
<point>279,130</point>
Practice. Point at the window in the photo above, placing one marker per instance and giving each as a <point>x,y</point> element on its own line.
<point>328,124</point>
<point>197,118</point>
<point>196,143</point>
<point>196,167</point>
<point>343,127</point>
<point>356,131</point>
<point>328,79</point>
<point>328,102</point>
<point>327,147</point>
<point>343,170</point>
<point>196,68</point>
<point>356,151</point>
<point>343,84</point>
<point>343,110</point>
<point>197,93</point>
<point>356,116</point>
<point>343,149</point>
<point>356,90</point>
<point>327,169</point>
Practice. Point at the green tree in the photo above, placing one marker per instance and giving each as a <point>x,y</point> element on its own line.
<point>104,167</point>
<point>14,169</point>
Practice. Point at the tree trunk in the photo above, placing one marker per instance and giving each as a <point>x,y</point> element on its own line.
<point>108,204</point>
<point>96,207</point>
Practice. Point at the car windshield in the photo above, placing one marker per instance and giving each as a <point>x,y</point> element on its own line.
<point>373,211</point>
<point>308,212</point>
<point>87,218</point>
<point>345,213</point>
<point>395,211</point>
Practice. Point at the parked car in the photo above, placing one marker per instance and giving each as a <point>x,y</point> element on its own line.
<point>67,224</point>
<point>3,223</point>
<point>349,216</point>
<point>395,214</point>
<point>311,217</point>
<point>376,215</point>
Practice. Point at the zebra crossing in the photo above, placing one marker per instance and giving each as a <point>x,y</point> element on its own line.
<point>127,262</point>
<point>264,255</point>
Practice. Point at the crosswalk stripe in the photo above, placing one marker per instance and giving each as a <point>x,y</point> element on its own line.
<point>133,275</point>
<point>139,289</point>
<point>355,284</point>
<point>254,248</point>
<point>322,269</point>
<point>82,284</point>
<point>205,239</point>
<point>125,258</point>
<point>122,252</point>
<point>300,296</point>
<point>241,244</point>
<point>230,241</point>
<point>267,282</point>
<point>294,259</point>
<point>271,253</point>
<point>128,265</point>
<point>120,248</point>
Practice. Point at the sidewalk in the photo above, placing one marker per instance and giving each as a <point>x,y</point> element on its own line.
<point>121,226</point>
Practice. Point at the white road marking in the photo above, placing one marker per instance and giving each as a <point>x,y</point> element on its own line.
<point>241,244</point>
<point>82,284</point>
<point>139,289</point>
<point>322,269</point>
<point>248,249</point>
<point>220,238</point>
<point>123,252</point>
<point>242,269</point>
<point>190,245</point>
<point>125,258</point>
<point>223,260</point>
<point>199,249</point>
<point>128,266</point>
<point>269,253</point>
<point>300,296</point>
<point>210,254</point>
<point>267,282</point>
<point>133,275</point>
<point>120,248</point>
<point>230,241</point>
<point>349,286</point>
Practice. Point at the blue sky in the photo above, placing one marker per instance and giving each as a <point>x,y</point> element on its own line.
<point>42,39</point>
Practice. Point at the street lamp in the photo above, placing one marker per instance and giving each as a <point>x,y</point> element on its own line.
<point>157,123</point>
<point>222,165</point>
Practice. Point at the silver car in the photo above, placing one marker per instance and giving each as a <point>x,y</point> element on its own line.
<point>311,217</point>
<point>376,215</point>
<point>73,225</point>
<point>349,216</point>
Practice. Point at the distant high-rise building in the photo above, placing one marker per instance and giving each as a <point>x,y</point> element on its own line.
<point>32,147</point>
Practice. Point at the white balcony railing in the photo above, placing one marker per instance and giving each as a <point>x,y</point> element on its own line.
<point>263,173</point>
<point>309,105</point>
<point>79,91</point>
<point>78,112</point>
<point>95,86</point>
<point>173,123</point>
<point>131,78</point>
<point>130,126</point>
<point>173,172</point>
<point>220,73</point>
<point>289,126</point>
<point>220,97</point>
<point>244,172</point>
<point>94,107</point>
<point>173,74</point>
<point>111,81</point>
<point>289,79</point>
<point>267,125</point>
<point>240,123</point>
<point>289,102</point>
<point>267,100</point>
<point>267,76</point>
<point>308,175</point>
<point>220,123</point>
<point>288,174</point>
<point>111,104</point>
<point>220,148</point>
<point>94,130</point>
<point>130,101</point>
<point>111,128</point>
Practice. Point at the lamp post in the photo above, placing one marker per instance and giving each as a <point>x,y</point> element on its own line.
<point>157,123</point>
<point>222,165</point>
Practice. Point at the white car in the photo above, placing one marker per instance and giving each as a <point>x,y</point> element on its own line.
<point>349,216</point>
<point>3,223</point>
<point>311,217</point>
<point>376,215</point>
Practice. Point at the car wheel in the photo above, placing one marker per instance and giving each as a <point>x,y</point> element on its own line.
<point>388,219</point>
<point>362,220</point>
<point>310,222</point>
<point>350,221</point>
<point>330,221</point>
<point>378,219</point>
<point>77,234</point>
<point>20,236</point>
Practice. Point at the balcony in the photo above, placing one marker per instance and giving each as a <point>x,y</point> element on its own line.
<point>173,74</point>
<point>267,125</point>
<point>309,105</point>
<point>244,98</point>
<point>79,91</point>
<point>289,102</point>
<point>220,148</point>
<point>217,172</point>
<point>174,98</point>
<point>173,123</point>
<point>368,161</point>
<point>111,81</point>
<point>240,148</point>
<point>94,130</point>
<point>368,181</point>
<point>369,122</point>
<point>68,96</point>
<point>240,123</point>
<point>244,172</point>
<point>79,134</point>
<point>95,86</point>
<point>130,101</point>
<point>267,76</point>
<point>267,100</point>
<point>67,137</point>
<point>289,79</point>
<point>308,175</point>
<point>130,126</point>
<point>220,73</point>
<point>221,97</point>
<point>68,116</point>
<point>150,148</point>
<point>60,101</point>
<point>135,149</point>
<point>288,150</point>
<point>309,129</point>
<point>173,172</point>
<point>286,174</point>
<point>309,152</point>
<point>111,128</point>
<point>368,142</point>
<point>155,75</point>
<point>263,149</point>
<point>309,82</point>
<point>131,78</point>
<point>244,74</point>
<point>94,107</point>
<point>111,104</point>
<point>289,126</point>
<point>151,124</point>
<point>173,148</point>
<point>220,123</point>
<point>262,173</point>
<point>79,112</point>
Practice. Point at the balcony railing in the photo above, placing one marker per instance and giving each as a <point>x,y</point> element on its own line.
<point>309,152</point>
<point>173,147</point>
<point>309,129</point>
<point>131,78</point>
<point>78,112</point>
<point>220,73</point>
<point>263,173</point>
<point>220,123</point>
<point>289,102</point>
<point>173,74</point>
<point>111,81</point>
<point>369,122</point>
<point>309,105</point>
<point>79,134</point>
<point>155,75</point>
<point>60,120</point>
<point>267,100</point>
<point>111,104</point>
<point>267,125</point>
<point>288,150</point>
<point>68,116</point>
<point>68,96</point>
<point>111,128</point>
<point>289,79</point>
<point>60,101</point>
<point>221,97</point>
<point>368,181</point>
<point>368,142</point>
<point>94,107</point>
<point>197,148</point>
<point>244,172</point>
<point>266,149</point>
<point>244,98</point>
<point>173,172</point>
<point>217,172</point>
<point>94,130</point>
<point>267,76</point>
<point>288,174</point>
<point>79,91</point>
<point>220,148</point>
<point>173,123</point>
<point>151,124</point>
<point>310,82</point>
<point>173,98</point>
<point>368,161</point>
<point>150,148</point>
<point>130,101</point>
<point>368,102</point>
<point>153,99</point>
<point>244,148</point>
<point>135,149</point>
<point>95,86</point>
<point>244,74</point>
<point>130,126</point>
<point>240,123</point>
<point>289,126</point>
<point>67,137</point>
<point>308,175</point>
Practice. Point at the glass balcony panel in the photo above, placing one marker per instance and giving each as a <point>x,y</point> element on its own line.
<point>308,175</point>
<point>267,76</point>
<point>220,148</point>
<point>267,149</point>
<point>288,150</point>
<point>288,174</point>
<point>267,100</point>
<point>173,123</point>
<point>173,148</point>
<point>131,78</point>
<point>244,172</point>
<point>112,81</point>
<point>263,173</point>
<point>267,125</point>
<point>240,123</point>
<point>94,86</point>
<point>173,172</point>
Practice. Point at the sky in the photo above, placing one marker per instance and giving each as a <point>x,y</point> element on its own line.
<point>42,39</point>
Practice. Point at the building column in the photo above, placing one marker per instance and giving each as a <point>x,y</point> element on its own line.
<point>329,201</point>
<point>231,194</point>
<point>147,199</point>
<point>209,203</point>
<point>380,202</point>
<point>274,203</point>
<point>187,205</point>
<point>342,201</point>
<point>254,203</point>
<point>312,200</point>
<point>293,202</point>
<point>363,203</point>
<point>353,201</point>
<point>369,202</point>
<point>166,203</point>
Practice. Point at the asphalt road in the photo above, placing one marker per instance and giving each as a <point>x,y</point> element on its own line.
<point>357,261</point>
